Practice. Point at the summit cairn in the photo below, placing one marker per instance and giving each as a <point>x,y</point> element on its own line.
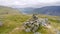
<point>33,24</point>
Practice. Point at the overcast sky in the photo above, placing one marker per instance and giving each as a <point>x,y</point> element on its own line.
<point>29,3</point>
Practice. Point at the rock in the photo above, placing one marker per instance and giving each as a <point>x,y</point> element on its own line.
<point>34,23</point>
<point>46,19</point>
<point>31,22</point>
<point>32,26</point>
<point>58,32</point>
<point>35,17</point>
<point>43,24</point>
<point>1,24</point>
<point>37,33</point>
<point>27,30</point>
<point>35,29</point>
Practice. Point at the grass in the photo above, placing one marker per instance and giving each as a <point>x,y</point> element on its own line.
<point>11,21</point>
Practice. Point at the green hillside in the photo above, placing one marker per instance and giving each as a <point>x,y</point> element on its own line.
<point>8,10</point>
<point>10,22</point>
<point>13,20</point>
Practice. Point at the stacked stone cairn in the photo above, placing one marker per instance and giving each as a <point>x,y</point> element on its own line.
<point>33,24</point>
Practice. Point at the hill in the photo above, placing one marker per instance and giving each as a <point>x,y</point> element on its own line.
<point>13,23</point>
<point>11,18</point>
<point>48,10</point>
<point>8,10</point>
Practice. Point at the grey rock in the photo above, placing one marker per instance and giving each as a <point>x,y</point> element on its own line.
<point>27,30</point>
<point>58,32</point>
<point>37,33</point>
<point>1,24</point>
<point>34,24</point>
<point>35,29</point>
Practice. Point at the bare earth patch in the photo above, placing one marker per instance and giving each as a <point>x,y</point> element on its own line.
<point>17,29</point>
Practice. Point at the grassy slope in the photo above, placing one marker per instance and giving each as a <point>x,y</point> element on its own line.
<point>13,19</point>
<point>8,10</point>
<point>54,22</point>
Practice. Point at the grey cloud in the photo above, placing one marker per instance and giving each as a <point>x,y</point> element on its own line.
<point>30,3</point>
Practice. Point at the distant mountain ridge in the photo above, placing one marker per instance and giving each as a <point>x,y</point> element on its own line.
<point>48,10</point>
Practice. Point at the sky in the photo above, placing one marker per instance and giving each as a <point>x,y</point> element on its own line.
<point>30,3</point>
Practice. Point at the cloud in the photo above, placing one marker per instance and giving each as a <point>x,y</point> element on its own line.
<point>29,3</point>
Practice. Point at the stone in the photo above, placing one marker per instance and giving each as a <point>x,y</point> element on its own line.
<point>31,21</point>
<point>35,29</point>
<point>43,24</point>
<point>46,19</point>
<point>1,24</point>
<point>34,23</point>
<point>27,30</point>
<point>34,17</point>
<point>58,32</point>
<point>37,33</point>
<point>32,26</point>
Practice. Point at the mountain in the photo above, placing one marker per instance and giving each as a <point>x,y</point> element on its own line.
<point>13,21</point>
<point>8,10</point>
<point>48,10</point>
